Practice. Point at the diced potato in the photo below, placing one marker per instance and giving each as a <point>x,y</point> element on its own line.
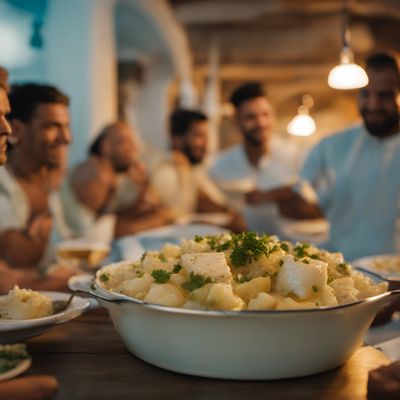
<point>165,294</point>
<point>25,304</point>
<point>171,250</point>
<point>328,297</point>
<point>344,290</point>
<point>221,297</point>
<point>112,275</point>
<point>250,290</point>
<point>177,279</point>
<point>192,247</point>
<point>287,303</point>
<point>133,287</point>
<point>263,301</point>
<point>211,265</point>
<point>300,278</point>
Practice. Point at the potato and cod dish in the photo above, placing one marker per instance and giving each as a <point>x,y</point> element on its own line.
<point>239,272</point>
<point>25,304</point>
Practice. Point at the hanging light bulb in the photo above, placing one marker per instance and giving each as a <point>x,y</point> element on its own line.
<point>303,124</point>
<point>347,75</point>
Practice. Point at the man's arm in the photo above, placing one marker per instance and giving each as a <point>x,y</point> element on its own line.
<point>22,248</point>
<point>291,204</point>
<point>30,279</point>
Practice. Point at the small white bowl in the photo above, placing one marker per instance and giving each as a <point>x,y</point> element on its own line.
<point>13,331</point>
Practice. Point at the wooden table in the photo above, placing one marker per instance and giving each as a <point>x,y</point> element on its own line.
<point>90,362</point>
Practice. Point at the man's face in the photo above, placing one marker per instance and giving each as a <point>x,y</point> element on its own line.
<point>5,128</point>
<point>120,147</point>
<point>254,118</point>
<point>194,144</point>
<point>378,103</point>
<point>45,138</point>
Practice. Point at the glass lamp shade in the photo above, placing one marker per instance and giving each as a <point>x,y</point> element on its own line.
<point>347,76</point>
<point>301,125</point>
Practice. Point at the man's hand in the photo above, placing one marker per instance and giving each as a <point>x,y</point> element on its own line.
<point>384,383</point>
<point>40,227</point>
<point>8,278</point>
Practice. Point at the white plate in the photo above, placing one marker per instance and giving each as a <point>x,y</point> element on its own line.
<point>17,370</point>
<point>385,264</point>
<point>13,331</point>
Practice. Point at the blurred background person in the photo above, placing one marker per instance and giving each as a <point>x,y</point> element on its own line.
<point>355,173</point>
<point>40,122</point>
<point>109,195</point>
<point>182,181</point>
<point>262,160</point>
<point>24,277</point>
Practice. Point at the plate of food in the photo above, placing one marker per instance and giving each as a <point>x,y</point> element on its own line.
<point>384,264</point>
<point>240,306</point>
<point>82,253</point>
<point>26,313</point>
<point>14,360</point>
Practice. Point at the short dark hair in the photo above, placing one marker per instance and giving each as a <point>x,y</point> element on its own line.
<point>181,120</point>
<point>247,91</point>
<point>383,62</point>
<point>25,98</point>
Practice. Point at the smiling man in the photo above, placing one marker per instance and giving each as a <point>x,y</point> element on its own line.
<point>355,173</point>
<point>39,118</point>
<point>262,161</point>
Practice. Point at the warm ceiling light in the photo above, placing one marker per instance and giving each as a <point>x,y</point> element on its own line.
<point>347,75</point>
<point>303,124</point>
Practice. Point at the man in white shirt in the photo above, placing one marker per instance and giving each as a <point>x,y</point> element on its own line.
<point>356,173</point>
<point>262,161</point>
<point>181,181</point>
<point>41,134</point>
<point>10,213</point>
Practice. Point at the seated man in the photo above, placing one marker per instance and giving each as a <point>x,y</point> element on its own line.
<point>181,181</point>
<point>9,276</point>
<point>109,195</point>
<point>262,161</point>
<point>40,121</point>
<point>355,173</point>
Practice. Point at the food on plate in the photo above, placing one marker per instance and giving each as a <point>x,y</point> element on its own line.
<point>81,253</point>
<point>388,264</point>
<point>11,355</point>
<point>239,272</point>
<point>25,304</point>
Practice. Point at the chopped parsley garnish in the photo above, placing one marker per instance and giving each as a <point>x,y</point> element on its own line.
<point>198,239</point>
<point>247,246</point>
<point>330,279</point>
<point>177,268</point>
<point>344,268</point>
<point>271,250</point>
<point>284,246</point>
<point>162,258</point>
<point>93,286</point>
<point>280,262</point>
<point>212,242</point>
<point>196,281</point>
<point>139,274</point>
<point>11,355</point>
<point>104,277</point>
<point>301,250</point>
<point>160,275</point>
<point>143,256</point>
<point>223,246</point>
<point>315,289</point>
<point>314,257</point>
<point>305,261</point>
<point>242,279</point>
